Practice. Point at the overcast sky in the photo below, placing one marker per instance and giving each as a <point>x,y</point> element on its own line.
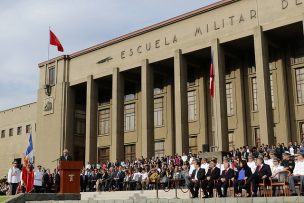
<point>78,24</point>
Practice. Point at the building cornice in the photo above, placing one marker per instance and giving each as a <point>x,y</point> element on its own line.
<point>143,30</point>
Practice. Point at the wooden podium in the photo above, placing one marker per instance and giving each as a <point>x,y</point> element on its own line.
<point>70,176</point>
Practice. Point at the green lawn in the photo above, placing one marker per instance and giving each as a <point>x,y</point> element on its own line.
<point>3,198</point>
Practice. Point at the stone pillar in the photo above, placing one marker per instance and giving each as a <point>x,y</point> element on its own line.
<point>147,110</point>
<point>219,100</point>
<point>240,105</point>
<point>263,86</point>
<point>169,120</point>
<point>69,120</point>
<point>91,121</point>
<point>117,117</point>
<point>181,103</point>
<point>203,111</point>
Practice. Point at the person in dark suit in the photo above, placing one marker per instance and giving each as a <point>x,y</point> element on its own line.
<point>212,175</point>
<point>225,180</point>
<point>83,181</point>
<point>57,181</point>
<point>119,178</point>
<point>197,176</point>
<point>65,156</point>
<point>262,172</point>
<point>48,181</point>
<point>242,174</point>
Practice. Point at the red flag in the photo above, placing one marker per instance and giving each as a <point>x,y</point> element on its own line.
<point>55,41</point>
<point>27,176</point>
<point>211,78</point>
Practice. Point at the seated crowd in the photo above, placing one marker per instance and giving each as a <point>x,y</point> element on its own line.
<point>4,187</point>
<point>243,169</point>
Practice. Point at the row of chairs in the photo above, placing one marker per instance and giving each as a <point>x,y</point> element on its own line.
<point>265,189</point>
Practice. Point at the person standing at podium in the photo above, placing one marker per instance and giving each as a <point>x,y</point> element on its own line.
<point>65,156</point>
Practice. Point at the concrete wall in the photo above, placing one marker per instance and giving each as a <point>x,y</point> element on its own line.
<point>13,147</point>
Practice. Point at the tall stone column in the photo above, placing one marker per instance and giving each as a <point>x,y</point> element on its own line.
<point>263,86</point>
<point>170,141</point>
<point>147,111</point>
<point>91,121</point>
<point>219,100</point>
<point>117,117</point>
<point>181,103</point>
<point>69,119</point>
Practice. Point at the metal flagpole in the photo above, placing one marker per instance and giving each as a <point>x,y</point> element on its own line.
<point>49,43</point>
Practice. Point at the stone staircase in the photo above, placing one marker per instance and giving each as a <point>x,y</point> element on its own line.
<point>133,195</point>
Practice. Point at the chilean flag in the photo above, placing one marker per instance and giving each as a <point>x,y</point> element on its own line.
<point>55,41</point>
<point>27,168</point>
<point>211,77</point>
<point>29,154</point>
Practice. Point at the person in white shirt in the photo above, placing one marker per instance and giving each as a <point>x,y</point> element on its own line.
<point>144,178</point>
<point>204,164</point>
<point>276,169</point>
<point>13,178</point>
<point>291,150</point>
<point>192,168</point>
<point>221,166</point>
<point>136,178</point>
<point>251,164</point>
<point>184,157</point>
<point>38,175</point>
<point>270,160</point>
<point>298,175</point>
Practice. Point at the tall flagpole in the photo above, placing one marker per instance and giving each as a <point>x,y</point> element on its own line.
<point>49,44</point>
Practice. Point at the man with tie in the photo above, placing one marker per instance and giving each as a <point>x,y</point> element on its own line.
<point>262,172</point>
<point>225,180</point>
<point>197,176</point>
<point>212,175</point>
<point>65,156</point>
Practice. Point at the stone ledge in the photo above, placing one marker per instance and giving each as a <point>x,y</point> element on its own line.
<point>31,197</point>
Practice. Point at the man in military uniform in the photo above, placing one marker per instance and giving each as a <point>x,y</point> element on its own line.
<point>287,162</point>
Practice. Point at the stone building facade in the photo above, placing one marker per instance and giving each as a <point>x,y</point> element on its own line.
<point>146,93</point>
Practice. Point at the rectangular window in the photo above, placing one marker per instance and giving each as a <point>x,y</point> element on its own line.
<point>229,99</point>
<point>80,124</point>
<point>159,149</point>
<point>193,144</point>
<point>19,130</point>
<point>158,112</point>
<point>11,132</point>
<point>231,140</point>
<point>254,94</point>
<point>300,84</point>
<point>129,112</point>
<point>130,152</point>
<point>3,134</point>
<point>192,111</point>
<point>257,138</point>
<point>51,76</point>
<point>103,155</point>
<point>27,128</point>
<point>272,91</point>
<point>104,122</point>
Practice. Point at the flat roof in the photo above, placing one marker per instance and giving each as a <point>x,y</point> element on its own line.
<point>143,30</point>
<point>17,107</point>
